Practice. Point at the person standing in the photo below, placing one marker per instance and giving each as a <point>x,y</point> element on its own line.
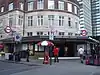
<point>81,53</point>
<point>27,55</point>
<point>66,49</point>
<point>56,54</point>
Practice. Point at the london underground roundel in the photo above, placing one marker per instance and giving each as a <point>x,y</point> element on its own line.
<point>84,33</point>
<point>8,29</point>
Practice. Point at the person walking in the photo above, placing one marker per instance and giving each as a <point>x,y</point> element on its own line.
<point>27,55</point>
<point>56,53</point>
<point>81,53</point>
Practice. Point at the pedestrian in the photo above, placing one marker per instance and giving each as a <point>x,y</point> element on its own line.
<point>27,55</point>
<point>81,54</point>
<point>56,54</point>
<point>66,49</point>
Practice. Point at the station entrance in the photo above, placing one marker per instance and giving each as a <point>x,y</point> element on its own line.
<point>70,49</point>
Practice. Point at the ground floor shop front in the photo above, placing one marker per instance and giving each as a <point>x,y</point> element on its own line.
<point>71,43</point>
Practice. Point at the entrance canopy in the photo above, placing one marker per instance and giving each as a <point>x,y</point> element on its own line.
<point>56,38</point>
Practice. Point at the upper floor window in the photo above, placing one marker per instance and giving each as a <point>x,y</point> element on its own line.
<point>51,20</point>
<point>76,25</point>
<point>11,5</point>
<point>40,4</point>
<point>1,23</point>
<point>20,21</point>
<point>60,5</point>
<point>75,9</point>
<point>1,36</point>
<point>61,20</point>
<point>2,9</point>
<point>29,33</point>
<point>40,20</point>
<point>69,22</point>
<point>30,20</point>
<point>39,33</point>
<point>1,27</point>
<point>61,33</point>
<point>30,5</point>
<point>69,5</point>
<point>50,4</point>
<point>21,5</point>
<point>10,20</point>
<point>70,33</point>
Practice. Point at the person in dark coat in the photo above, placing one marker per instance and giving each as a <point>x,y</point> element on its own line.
<point>27,55</point>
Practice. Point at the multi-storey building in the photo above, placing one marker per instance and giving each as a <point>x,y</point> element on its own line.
<point>95,6</point>
<point>85,16</point>
<point>35,20</point>
<point>39,17</point>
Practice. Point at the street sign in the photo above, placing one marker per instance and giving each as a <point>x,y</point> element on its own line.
<point>8,29</point>
<point>18,37</point>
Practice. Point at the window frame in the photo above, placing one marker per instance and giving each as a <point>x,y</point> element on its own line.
<point>61,33</point>
<point>30,20</point>
<point>30,6</point>
<point>51,2</point>
<point>69,21</point>
<point>11,6</point>
<point>61,20</point>
<point>39,33</point>
<point>20,20</point>
<point>60,3</point>
<point>40,20</point>
<point>51,20</point>
<point>75,10</point>
<point>40,4</point>
<point>2,9</point>
<point>21,4</point>
<point>29,33</point>
<point>10,20</point>
<point>69,7</point>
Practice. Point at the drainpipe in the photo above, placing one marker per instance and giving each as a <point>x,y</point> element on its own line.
<point>24,19</point>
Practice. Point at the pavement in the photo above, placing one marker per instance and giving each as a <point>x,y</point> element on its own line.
<point>35,62</point>
<point>12,68</point>
<point>63,58</point>
<point>35,67</point>
<point>23,61</point>
<point>64,67</point>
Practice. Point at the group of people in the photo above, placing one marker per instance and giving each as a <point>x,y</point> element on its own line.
<point>56,53</point>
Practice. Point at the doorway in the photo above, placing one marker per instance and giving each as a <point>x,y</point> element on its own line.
<point>70,52</point>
